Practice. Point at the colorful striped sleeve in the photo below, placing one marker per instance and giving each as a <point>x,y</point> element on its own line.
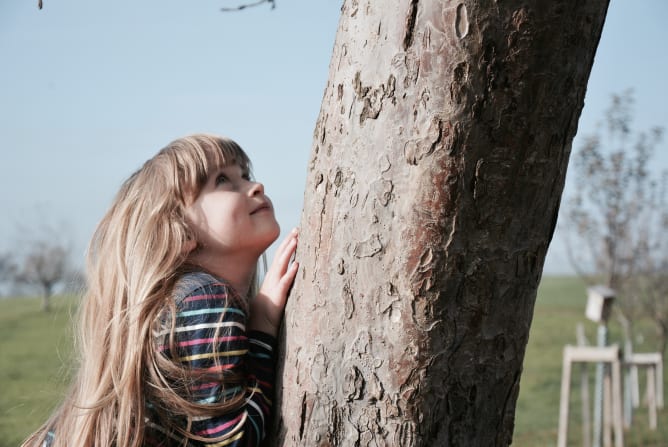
<point>210,335</point>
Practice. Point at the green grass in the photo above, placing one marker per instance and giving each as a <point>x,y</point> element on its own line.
<point>35,348</point>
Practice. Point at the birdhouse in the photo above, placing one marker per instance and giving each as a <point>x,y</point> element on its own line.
<point>599,302</point>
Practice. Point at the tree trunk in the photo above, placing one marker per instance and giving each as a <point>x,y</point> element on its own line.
<point>434,183</point>
<point>662,330</point>
<point>46,297</point>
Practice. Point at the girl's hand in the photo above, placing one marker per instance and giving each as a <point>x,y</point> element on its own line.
<point>267,307</point>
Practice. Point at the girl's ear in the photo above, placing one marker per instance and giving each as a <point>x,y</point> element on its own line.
<point>189,246</point>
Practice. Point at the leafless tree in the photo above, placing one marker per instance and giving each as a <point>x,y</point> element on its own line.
<point>46,265</point>
<point>616,220</point>
<point>7,268</point>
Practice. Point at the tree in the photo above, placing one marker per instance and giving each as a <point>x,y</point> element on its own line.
<point>7,268</point>
<point>652,288</point>
<point>46,265</point>
<point>618,216</point>
<point>434,183</point>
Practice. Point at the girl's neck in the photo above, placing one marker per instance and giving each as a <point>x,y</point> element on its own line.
<point>236,271</point>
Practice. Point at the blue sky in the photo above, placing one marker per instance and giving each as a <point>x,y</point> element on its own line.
<point>90,90</point>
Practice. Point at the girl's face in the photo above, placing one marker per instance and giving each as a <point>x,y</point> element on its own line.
<point>232,218</point>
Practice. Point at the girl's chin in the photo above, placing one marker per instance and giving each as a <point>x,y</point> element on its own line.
<point>271,237</point>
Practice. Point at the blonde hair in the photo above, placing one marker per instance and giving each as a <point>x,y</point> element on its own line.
<point>133,261</point>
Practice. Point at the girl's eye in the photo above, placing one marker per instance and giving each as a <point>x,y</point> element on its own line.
<point>246,177</point>
<point>222,178</point>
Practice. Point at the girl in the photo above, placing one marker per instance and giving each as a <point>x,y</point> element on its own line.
<point>172,351</point>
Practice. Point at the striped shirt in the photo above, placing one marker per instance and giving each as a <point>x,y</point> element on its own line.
<point>210,335</point>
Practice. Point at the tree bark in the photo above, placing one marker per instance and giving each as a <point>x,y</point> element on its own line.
<point>437,167</point>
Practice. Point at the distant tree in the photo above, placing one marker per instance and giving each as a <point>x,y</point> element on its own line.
<point>651,291</point>
<point>617,217</point>
<point>7,268</point>
<point>46,265</point>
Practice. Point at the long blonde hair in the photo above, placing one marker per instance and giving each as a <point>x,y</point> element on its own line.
<point>133,260</point>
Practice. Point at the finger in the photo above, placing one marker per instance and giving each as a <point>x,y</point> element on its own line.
<point>282,258</point>
<point>292,272</point>
<point>284,243</point>
<point>287,275</point>
<point>285,249</point>
<point>288,279</point>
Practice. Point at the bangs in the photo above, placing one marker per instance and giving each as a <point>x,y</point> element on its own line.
<point>227,152</point>
<point>197,157</point>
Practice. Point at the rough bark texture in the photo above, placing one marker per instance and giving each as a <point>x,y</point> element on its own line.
<point>438,163</point>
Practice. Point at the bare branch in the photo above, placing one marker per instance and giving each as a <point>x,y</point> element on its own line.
<point>249,5</point>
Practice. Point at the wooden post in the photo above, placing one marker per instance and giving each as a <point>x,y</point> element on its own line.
<point>635,387</point>
<point>564,399</point>
<point>651,396</point>
<point>659,382</point>
<point>586,407</point>
<point>584,390</point>
<point>628,386</point>
<point>607,407</point>
<point>617,402</point>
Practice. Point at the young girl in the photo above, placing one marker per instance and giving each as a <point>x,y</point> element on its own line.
<point>173,353</point>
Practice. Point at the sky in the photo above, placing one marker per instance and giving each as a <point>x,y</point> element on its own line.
<point>90,90</point>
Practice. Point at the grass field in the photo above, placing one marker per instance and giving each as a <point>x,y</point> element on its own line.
<point>34,347</point>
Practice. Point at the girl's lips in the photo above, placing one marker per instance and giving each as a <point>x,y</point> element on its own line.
<point>261,208</point>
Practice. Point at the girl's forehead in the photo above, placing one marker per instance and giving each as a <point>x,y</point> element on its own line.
<point>232,164</point>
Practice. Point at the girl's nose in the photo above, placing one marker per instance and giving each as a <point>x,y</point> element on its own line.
<point>256,188</point>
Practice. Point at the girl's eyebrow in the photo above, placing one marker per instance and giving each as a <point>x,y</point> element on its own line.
<point>244,169</point>
<point>234,166</point>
